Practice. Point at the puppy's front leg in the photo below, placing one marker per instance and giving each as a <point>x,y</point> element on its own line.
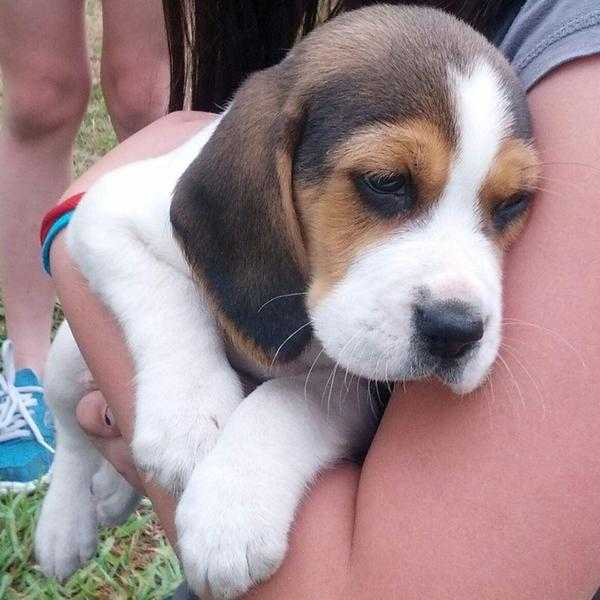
<point>185,387</point>
<point>234,517</point>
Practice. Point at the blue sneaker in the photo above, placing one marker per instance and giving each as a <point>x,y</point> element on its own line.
<point>26,430</point>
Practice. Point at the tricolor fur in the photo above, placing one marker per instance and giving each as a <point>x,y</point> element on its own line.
<point>349,201</point>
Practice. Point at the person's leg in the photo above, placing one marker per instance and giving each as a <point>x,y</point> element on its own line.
<point>46,86</point>
<point>135,63</point>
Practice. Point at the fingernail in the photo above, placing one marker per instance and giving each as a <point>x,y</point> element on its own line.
<point>108,418</point>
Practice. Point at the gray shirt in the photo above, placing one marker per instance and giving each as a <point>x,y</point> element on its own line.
<point>545,34</point>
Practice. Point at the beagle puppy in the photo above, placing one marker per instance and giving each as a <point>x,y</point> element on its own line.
<point>342,222</point>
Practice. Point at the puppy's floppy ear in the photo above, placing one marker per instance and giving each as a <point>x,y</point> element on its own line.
<point>234,216</point>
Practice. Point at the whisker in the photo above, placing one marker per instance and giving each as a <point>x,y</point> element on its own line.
<point>516,358</point>
<point>347,368</point>
<point>309,373</point>
<point>325,390</point>
<point>493,394</point>
<point>287,339</point>
<point>544,190</point>
<point>556,180</point>
<point>332,378</point>
<point>379,398</point>
<point>563,163</point>
<point>559,337</point>
<point>370,398</point>
<point>358,391</point>
<point>356,333</point>
<point>509,393</point>
<point>368,387</point>
<point>281,296</point>
<point>380,402</point>
<point>515,382</point>
<point>387,377</point>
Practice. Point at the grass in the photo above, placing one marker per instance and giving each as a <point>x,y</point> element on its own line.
<point>133,561</point>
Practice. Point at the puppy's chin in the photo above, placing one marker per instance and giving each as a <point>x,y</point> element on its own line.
<point>477,370</point>
<point>468,385</point>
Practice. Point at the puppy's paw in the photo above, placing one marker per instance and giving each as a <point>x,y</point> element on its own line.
<point>115,498</point>
<point>168,453</point>
<point>172,435</point>
<point>230,538</point>
<point>66,533</point>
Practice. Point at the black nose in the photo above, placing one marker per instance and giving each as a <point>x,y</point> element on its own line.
<point>449,329</point>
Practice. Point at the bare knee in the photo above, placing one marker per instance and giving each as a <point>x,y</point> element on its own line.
<point>136,94</point>
<point>46,99</point>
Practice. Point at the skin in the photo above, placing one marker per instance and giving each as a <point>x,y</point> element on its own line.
<point>493,495</point>
<point>46,88</point>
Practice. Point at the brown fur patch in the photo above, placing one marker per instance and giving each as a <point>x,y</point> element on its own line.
<point>337,222</point>
<point>515,168</point>
<point>515,171</point>
<point>417,147</point>
<point>337,227</point>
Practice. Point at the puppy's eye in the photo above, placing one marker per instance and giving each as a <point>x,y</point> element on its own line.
<point>510,209</point>
<point>387,184</point>
<point>388,194</point>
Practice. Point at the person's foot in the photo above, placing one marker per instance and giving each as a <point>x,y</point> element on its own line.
<point>26,430</point>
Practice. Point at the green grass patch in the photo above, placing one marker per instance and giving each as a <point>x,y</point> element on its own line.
<point>132,562</point>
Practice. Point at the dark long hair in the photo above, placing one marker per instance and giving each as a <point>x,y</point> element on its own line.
<point>215,44</point>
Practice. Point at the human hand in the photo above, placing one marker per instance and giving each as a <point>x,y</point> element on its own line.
<point>96,419</point>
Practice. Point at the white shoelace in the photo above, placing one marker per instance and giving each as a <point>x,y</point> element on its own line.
<point>17,403</point>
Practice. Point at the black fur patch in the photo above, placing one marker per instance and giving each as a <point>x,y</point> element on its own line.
<point>227,214</point>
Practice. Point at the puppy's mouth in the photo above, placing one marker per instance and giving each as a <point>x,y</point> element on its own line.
<point>462,377</point>
<point>456,348</point>
<point>459,374</point>
<point>450,374</point>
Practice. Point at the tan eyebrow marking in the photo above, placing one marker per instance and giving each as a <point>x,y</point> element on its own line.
<point>515,169</point>
<point>417,146</point>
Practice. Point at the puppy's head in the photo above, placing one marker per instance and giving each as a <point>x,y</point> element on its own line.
<point>363,191</point>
